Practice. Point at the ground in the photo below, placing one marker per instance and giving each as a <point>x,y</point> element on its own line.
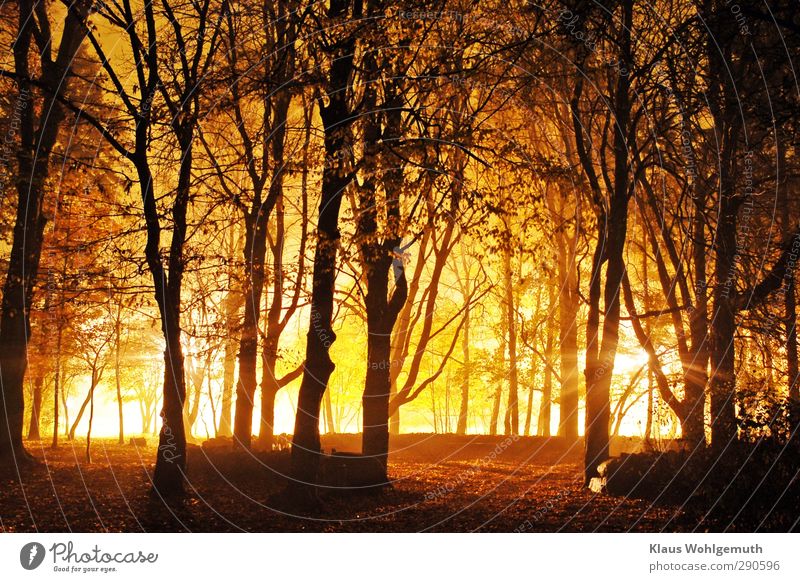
<point>440,483</point>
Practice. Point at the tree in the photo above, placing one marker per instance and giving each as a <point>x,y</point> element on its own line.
<point>279,315</point>
<point>337,116</point>
<point>40,120</point>
<point>181,98</point>
<point>612,215</point>
<point>273,90</point>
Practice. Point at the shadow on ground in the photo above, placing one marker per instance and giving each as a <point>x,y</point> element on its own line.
<point>440,483</point>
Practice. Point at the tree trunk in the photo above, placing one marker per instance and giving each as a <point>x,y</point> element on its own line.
<point>547,386</point>
<point>89,400</point>
<point>318,366</point>
<point>198,376</point>
<point>57,384</point>
<point>498,393</point>
<point>81,410</point>
<point>792,368</point>
<point>95,380</point>
<point>376,254</point>
<point>696,375</point>
<point>568,306</point>
<point>723,378</point>
<point>601,351</point>
<point>336,120</point>
<point>722,97</point>
<point>36,407</point>
<point>171,455</point>
<point>461,426</point>
<point>33,159</point>
<point>648,427</point>
<point>270,385</point>
<point>331,428</point>
<point>789,298</point>
<point>402,329</point>
<point>64,405</point>
<point>117,341</point>
<point>229,362</point>
<point>597,387</point>
<point>512,408</point>
<point>529,409</point>
<point>254,255</point>
<point>269,390</point>
<point>375,401</point>
<point>269,382</point>
<point>381,316</point>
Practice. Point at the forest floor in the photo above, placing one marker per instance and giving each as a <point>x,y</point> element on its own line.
<point>441,483</point>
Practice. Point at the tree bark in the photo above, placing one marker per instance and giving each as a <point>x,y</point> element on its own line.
<point>96,375</point>
<point>232,305</point>
<point>547,386</point>
<point>36,407</point>
<point>512,406</point>
<point>33,159</point>
<point>254,254</point>
<point>568,307</point>
<point>275,326</point>
<point>789,297</point>
<point>171,456</point>
<point>57,383</point>
<point>463,410</point>
<point>377,258</point>
<point>498,393</point>
<point>722,99</point>
<point>612,227</point>
<point>336,120</point>
<point>723,379</point>
<point>696,372</point>
<point>117,371</point>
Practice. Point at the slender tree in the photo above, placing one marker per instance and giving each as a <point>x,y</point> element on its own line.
<point>41,116</point>
<point>337,118</point>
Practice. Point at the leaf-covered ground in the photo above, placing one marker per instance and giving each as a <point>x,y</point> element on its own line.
<point>440,483</point>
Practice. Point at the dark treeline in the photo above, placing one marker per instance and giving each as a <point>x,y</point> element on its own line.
<point>501,216</point>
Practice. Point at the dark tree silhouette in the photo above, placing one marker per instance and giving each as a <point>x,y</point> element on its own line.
<point>41,117</point>
<point>337,118</point>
